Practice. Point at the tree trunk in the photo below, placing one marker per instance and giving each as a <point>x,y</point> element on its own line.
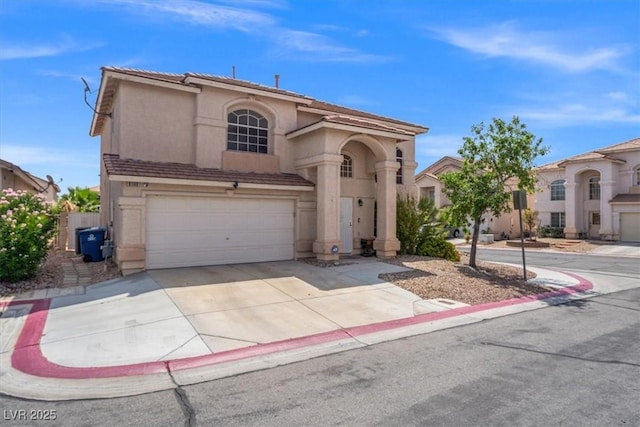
<point>474,242</point>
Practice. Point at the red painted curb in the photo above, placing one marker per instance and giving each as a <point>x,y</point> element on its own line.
<point>27,356</point>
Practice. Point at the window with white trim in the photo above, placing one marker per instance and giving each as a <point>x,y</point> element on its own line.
<point>346,168</point>
<point>558,219</point>
<point>247,131</point>
<point>594,188</point>
<point>636,177</point>
<point>399,156</point>
<point>557,190</point>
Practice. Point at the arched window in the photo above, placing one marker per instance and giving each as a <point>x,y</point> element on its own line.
<point>594,188</point>
<point>399,160</point>
<point>557,190</point>
<point>247,131</point>
<point>346,169</point>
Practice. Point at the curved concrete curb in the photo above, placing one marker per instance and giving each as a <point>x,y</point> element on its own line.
<point>27,373</point>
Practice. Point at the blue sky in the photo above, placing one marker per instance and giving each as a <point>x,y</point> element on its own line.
<point>569,69</point>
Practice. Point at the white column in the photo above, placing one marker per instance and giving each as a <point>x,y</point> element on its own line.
<point>328,209</point>
<point>570,230</point>
<point>386,243</point>
<point>606,213</point>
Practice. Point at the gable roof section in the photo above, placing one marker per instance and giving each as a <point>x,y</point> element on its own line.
<point>440,165</point>
<point>129,169</point>
<point>193,82</point>
<point>606,153</point>
<point>348,122</point>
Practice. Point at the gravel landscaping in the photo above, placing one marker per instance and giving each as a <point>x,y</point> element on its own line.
<point>433,278</point>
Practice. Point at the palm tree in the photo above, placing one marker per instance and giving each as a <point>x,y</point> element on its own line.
<point>80,200</point>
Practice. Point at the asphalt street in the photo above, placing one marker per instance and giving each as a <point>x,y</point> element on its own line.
<point>627,266</point>
<point>573,364</point>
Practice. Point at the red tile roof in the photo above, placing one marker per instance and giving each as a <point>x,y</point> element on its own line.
<point>626,198</point>
<point>142,168</point>
<point>182,79</point>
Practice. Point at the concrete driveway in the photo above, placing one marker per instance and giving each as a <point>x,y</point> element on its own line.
<point>234,306</point>
<point>187,312</point>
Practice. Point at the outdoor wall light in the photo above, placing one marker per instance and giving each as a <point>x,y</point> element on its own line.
<point>360,202</point>
<point>235,184</point>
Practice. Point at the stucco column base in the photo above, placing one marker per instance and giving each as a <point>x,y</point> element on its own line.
<point>130,258</point>
<point>387,248</point>
<point>571,233</point>
<point>323,250</point>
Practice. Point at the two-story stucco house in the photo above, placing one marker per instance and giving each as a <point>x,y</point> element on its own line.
<point>595,195</point>
<point>205,170</point>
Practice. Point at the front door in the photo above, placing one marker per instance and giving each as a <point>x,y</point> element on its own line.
<point>346,224</point>
<point>594,224</point>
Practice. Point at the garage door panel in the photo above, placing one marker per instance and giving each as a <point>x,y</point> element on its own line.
<point>630,226</point>
<point>183,231</point>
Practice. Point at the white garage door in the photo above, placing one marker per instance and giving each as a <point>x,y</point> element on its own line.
<point>630,227</point>
<point>191,231</point>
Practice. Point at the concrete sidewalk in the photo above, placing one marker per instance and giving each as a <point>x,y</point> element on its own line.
<point>157,330</point>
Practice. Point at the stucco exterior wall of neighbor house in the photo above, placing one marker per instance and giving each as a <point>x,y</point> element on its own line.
<point>596,194</point>
<point>14,177</point>
<point>175,194</point>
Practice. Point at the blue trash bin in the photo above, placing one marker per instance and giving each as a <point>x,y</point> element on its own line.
<point>78,230</point>
<point>91,241</point>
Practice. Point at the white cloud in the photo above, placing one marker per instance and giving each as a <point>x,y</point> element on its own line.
<point>63,46</point>
<point>287,43</point>
<point>571,114</point>
<point>315,47</point>
<point>31,155</point>
<point>200,13</point>
<point>508,41</point>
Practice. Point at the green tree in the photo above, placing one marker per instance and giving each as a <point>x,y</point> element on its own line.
<point>80,200</point>
<point>491,156</point>
<point>530,219</point>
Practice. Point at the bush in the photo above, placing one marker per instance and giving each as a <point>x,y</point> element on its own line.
<point>416,221</point>
<point>549,231</point>
<point>27,224</point>
<point>438,247</point>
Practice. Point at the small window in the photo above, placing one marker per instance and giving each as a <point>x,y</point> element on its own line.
<point>594,188</point>
<point>557,190</point>
<point>558,219</point>
<point>636,177</point>
<point>399,160</point>
<point>595,218</point>
<point>346,169</point>
<point>247,131</point>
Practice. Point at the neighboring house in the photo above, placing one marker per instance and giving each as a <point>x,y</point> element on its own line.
<point>13,176</point>
<point>430,186</point>
<point>594,195</point>
<point>204,170</point>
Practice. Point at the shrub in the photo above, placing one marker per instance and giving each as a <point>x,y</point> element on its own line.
<point>416,221</point>
<point>438,247</point>
<point>27,224</point>
<point>549,231</point>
